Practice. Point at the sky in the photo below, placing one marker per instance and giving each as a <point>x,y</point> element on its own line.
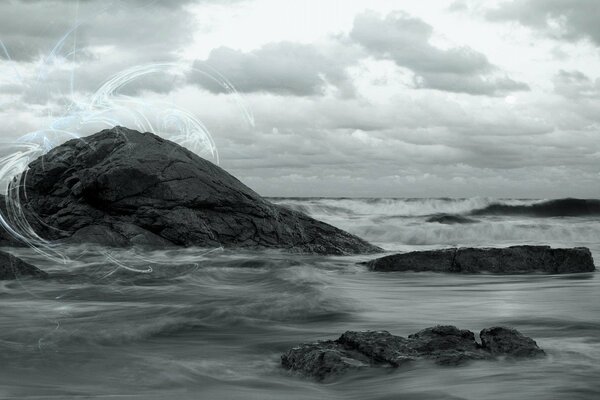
<point>403,98</point>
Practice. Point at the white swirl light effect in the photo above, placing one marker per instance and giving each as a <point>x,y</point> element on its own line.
<point>106,108</point>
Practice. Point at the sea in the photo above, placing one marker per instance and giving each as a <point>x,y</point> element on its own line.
<point>199,323</point>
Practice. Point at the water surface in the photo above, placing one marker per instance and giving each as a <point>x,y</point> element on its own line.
<point>213,326</point>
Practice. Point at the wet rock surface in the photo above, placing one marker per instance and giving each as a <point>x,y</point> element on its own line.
<point>510,342</point>
<point>12,267</point>
<point>508,260</point>
<point>443,345</point>
<point>121,187</point>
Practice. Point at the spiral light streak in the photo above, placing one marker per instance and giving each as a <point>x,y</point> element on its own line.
<point>105,108</point>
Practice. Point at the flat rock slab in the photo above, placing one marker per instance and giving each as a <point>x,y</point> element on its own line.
<point>12,267</point>
<point>508,260</point>
<point>443,345</point>
<point>121,187</point>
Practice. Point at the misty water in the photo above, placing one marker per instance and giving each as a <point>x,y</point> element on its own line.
<point>214,325</point>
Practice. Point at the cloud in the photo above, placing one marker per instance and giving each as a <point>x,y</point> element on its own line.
<point>379,110</point>
<point>576,85</point>
<point>154,30</point>
<point>60,46</point>
<point>318,136</point>
<point>406,41</point>
<point>473,84</point>
<point>563,19</point>
<point>283,68</point>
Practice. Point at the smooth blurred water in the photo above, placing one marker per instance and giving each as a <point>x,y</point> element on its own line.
<point>214,326</point>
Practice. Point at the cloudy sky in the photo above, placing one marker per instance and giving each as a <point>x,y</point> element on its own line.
<point>394,98</point>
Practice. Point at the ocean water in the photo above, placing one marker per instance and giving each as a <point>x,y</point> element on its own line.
<point>212,325</point>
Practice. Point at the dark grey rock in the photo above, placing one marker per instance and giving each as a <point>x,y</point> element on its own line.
<point>447,345</point>
<point>508,260</point>
<point>12,267</point>
<point>428,260</point>
<point>380,347</point>
<point>121,187</point>
<point>444,345</point>
<point>506,341</point>
<point>524,259</point>
<point>324,359</point>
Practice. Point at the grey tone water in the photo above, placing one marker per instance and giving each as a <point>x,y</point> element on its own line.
<point>213,326</point>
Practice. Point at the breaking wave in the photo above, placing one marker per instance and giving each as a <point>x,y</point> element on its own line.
<point>434,207</point>
<point>396,223</point>
<point>552,208</point>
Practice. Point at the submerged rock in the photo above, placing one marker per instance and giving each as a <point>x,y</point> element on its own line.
<point>121,187</point>
<point>508,260</point>
<point>450,219</point>
<point>444,345</point>
<point>12,267</point>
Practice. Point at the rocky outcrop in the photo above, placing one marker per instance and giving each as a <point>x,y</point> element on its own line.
<point>121,187</point>
<point>508,260</point>
<point>12,267</point>
<point>509,342</point>
<point>444,345</point>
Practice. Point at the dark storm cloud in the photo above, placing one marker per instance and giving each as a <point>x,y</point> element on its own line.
<point>564,19</point>
<point>152,30</point>
<point>106,37</point>
<point>406,41</point>
<point>283,68</point>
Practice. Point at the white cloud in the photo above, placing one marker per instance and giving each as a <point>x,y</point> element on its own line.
<point>408,100</point>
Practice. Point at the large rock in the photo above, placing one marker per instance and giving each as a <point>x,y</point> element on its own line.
<point>12,267</point>
<point>444,345</point>
<point>508,260</point>
<point>121,187</point>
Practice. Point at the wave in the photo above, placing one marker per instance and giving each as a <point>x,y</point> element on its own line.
<point>436,207</point>
<point>235,292</point>
<point>390,235</point>
<point>451,219</point>
<point>397,207</point>
<point>568,207</point>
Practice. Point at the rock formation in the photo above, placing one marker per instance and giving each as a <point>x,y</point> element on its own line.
<point>508,260</point>
<point>444,345</point>
<point>121,187</point>
<point>12,267</point>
